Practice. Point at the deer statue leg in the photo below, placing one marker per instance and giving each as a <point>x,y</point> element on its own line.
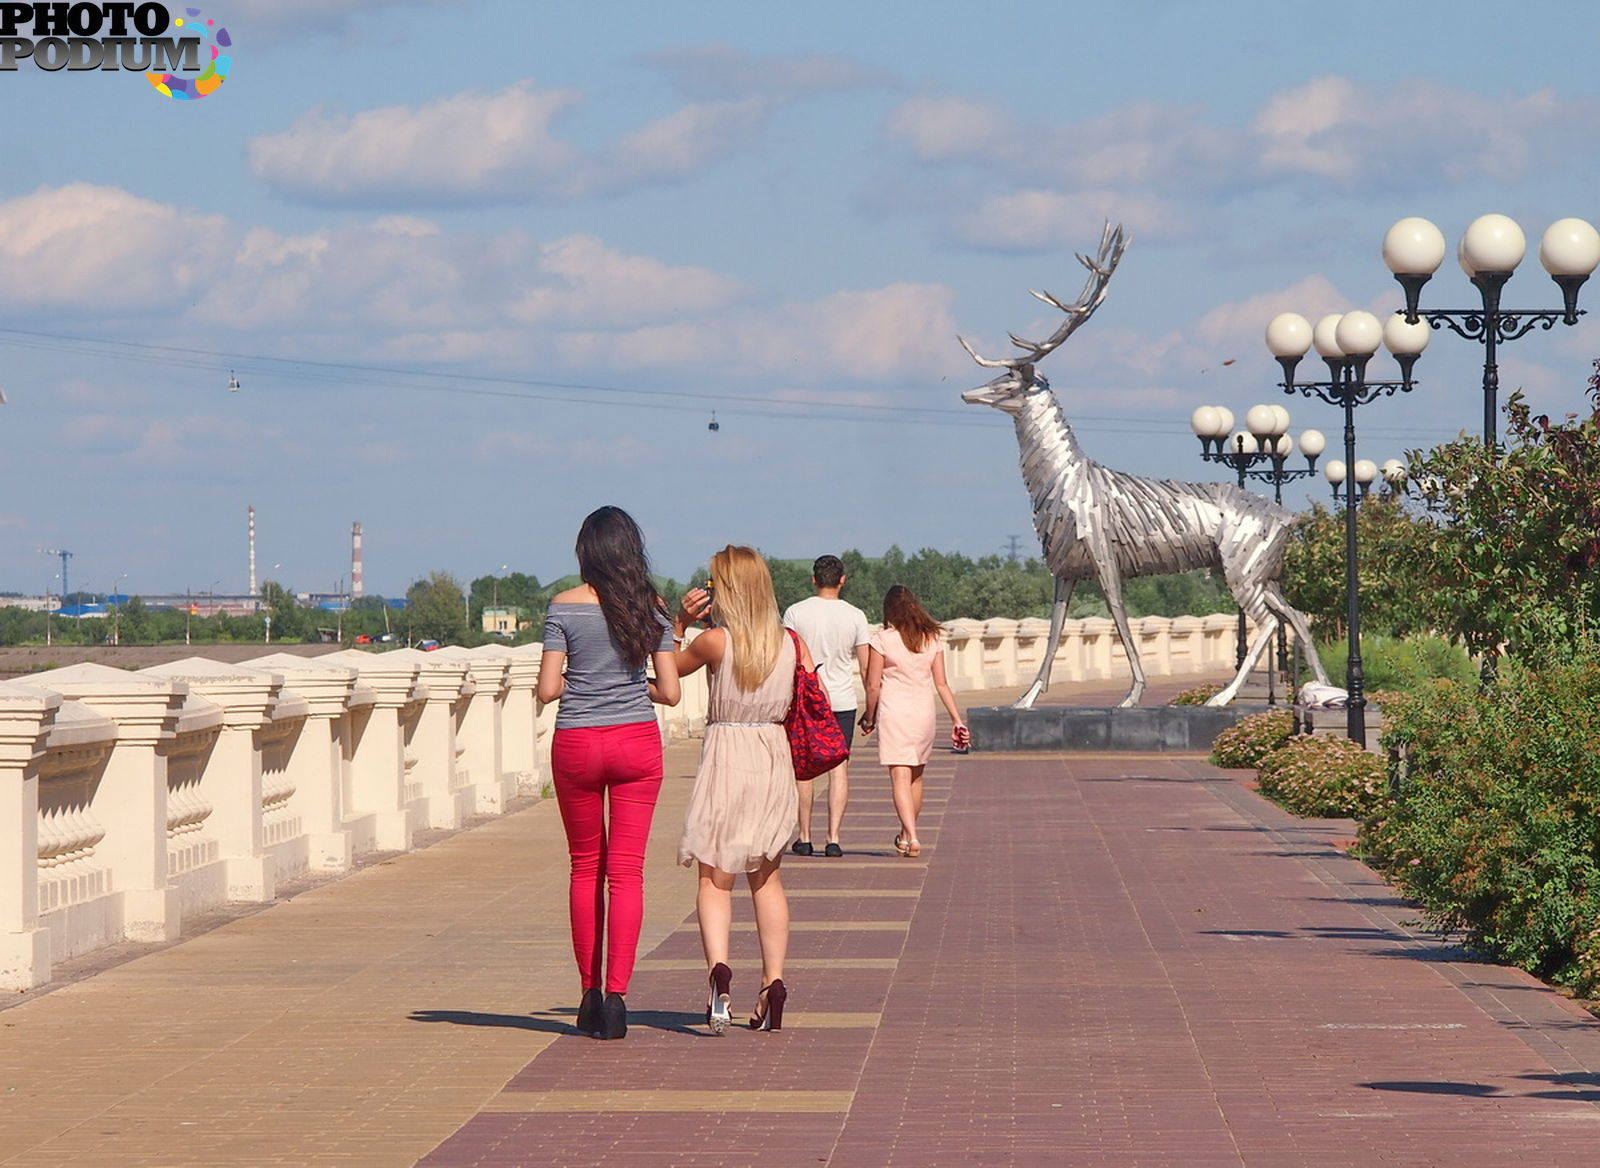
<point>1058,616</point>
<point>1302,630</point>
<point>1111,585</point>
<point>1267,628</point>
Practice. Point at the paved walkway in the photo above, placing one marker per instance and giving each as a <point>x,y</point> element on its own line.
<point>1099,960</point>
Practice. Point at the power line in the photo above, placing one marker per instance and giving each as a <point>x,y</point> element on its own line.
<point>369,376</point>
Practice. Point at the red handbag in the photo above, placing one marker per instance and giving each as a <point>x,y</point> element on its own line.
<point>815,741</point>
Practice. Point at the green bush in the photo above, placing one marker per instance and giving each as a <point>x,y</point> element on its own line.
<point>1405,665</point>
<point>1495,828</point>
<point>1249,740</point>
<point>1324,777</point>
<point>1198,696</point>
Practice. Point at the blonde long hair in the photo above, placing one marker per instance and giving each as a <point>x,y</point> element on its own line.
<point>748,610</point>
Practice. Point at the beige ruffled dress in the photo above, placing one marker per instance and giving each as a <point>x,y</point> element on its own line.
<point>743,808</point>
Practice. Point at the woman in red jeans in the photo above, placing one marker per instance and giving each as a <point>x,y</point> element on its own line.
<point>606,751</point>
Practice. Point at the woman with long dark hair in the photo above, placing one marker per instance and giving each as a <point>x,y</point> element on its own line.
<point>905,670</point>
<point>742,808</point>
<point>605,755</point>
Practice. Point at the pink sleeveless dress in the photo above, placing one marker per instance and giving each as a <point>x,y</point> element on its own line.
<point>743,808</point>
<point>906,699</point>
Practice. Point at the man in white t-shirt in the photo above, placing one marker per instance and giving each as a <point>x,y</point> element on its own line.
<point>836,633</point>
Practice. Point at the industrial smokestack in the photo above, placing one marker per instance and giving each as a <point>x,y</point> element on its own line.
<point>252,549</point>
<point>355,561</point>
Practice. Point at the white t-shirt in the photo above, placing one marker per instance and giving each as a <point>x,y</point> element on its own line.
<point>831,629</point>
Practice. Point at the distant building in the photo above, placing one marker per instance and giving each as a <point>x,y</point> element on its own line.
<point>505,622</point>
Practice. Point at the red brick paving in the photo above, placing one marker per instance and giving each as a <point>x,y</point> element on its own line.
<point>1113,960</point>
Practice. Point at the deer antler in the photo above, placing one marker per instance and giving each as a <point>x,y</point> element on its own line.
<point>1112,244</point>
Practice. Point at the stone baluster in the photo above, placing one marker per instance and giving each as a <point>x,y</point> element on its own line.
<point>131,799</point>
<point>316,760</point>
<point>518,731</point>
<point>25,718</point>
<point>1153,636</point>
<point>479,745</point>
<point>445,804</point>
<point>376,811</point>
<point>1220,631</point>
<point>963,654</point>
<point>1185,636</point>
<point>999,653</point>
<point>1098,634</point>
<point>232,779</point>
<point>1033,636</point>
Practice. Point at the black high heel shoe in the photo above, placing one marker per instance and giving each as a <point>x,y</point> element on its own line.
<point>718,1014</point>
<point>613,1021</point>
<point>589,1010</point>
<point>769,1006</point>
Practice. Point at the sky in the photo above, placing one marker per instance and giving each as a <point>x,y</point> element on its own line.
<point>481,266</point>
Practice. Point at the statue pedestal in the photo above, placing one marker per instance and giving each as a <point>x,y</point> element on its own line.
<point>1092,729</point>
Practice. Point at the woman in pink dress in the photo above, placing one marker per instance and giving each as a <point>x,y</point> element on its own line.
<point>905,670</point>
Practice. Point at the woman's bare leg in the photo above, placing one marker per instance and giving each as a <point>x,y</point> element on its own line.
<point>916,796</point>
<point>713,904</point>
<point>772,918</point>
<point>906,804</point>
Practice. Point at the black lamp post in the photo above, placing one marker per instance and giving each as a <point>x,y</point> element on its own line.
<point>1346,343</point>
<point>1490,250</point>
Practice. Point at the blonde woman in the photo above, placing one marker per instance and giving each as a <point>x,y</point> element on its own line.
<point>743,807</point>
<point>905,670</point>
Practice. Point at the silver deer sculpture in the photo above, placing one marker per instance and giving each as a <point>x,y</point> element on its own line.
<point>1100,524</point>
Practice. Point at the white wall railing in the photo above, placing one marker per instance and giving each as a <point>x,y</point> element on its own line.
<point>132,801</point>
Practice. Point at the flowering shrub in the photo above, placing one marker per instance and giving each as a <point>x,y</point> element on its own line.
<point>1495,828</point>
<point>1249,740</point>
<point>1196,696</point>
<point>1325,777</point>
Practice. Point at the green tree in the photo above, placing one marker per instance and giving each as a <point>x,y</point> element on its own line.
<point>1393,559</point>
<point>290,622</point>
<point>436,609</point>
<point>1512,543</point>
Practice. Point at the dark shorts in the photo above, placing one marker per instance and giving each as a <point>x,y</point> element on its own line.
<point>847,726</point>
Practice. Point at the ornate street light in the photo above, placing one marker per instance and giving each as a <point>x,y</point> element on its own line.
<point>1346,344</point>
<point>1489,252</point>
<point>1366,474</point>
<point>1259,451</point>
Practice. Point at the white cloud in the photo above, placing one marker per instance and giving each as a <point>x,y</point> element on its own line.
<point>148,441</point>
<point>894,333</point>
<point>87,246</point>
<point>1243,322</point>
<point>1415,134</point>
<point>1011,184</point>
<point>1040,220</point>
<point>470,147</point>
<point>400,289</point>
<point>590,283</point>
<point>394,273</point>
<point>679,144</point>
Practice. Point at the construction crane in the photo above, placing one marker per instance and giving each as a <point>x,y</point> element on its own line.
<point>65,556</point>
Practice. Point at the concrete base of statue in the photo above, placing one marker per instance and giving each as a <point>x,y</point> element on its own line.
<point>1102,728</point>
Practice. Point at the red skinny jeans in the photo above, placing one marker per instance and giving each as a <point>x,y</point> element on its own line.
<point>591,763</point>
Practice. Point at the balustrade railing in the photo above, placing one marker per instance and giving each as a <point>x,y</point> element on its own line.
<point>130,801</point>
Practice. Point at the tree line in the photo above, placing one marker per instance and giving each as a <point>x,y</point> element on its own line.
<point>439,608</point>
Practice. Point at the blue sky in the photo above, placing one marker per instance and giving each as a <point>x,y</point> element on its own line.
<point>482,266</point>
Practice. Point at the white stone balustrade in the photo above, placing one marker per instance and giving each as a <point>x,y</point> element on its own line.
<point>999,653</point>
<point>132,801</point>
